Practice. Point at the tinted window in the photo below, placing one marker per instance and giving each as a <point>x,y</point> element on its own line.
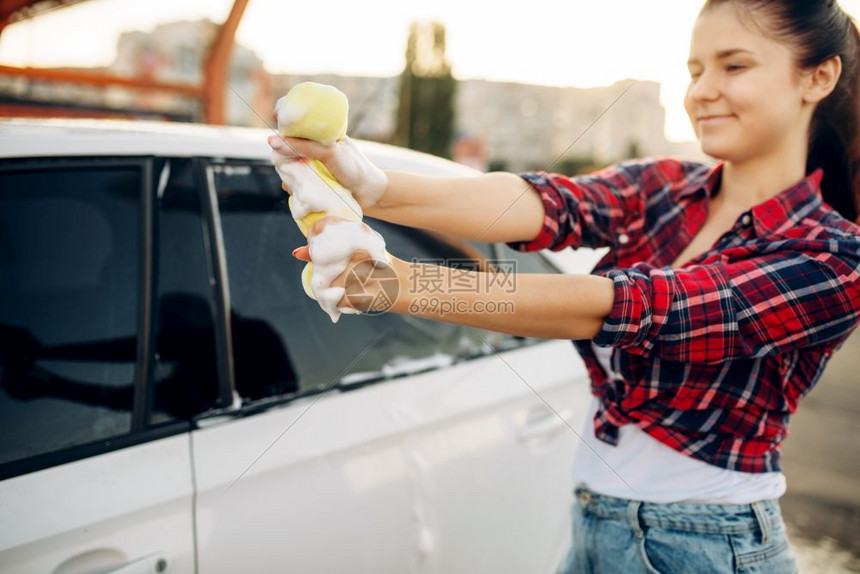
<point>69,253</point>
<point>185,375</point>
<point>265,294</point>
<point>523,262</point>
<point>283,341</point>
<point>434,249</point>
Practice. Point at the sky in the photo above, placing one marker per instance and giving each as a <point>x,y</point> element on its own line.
<point>578,43</point>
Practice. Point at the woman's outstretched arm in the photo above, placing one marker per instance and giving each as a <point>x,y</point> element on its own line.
<point>490,207</point>
<point>545,306</point>
<point>530,211</point>
<point>548,306</point>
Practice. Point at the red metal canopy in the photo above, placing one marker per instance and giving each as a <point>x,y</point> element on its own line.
<point>211,92</point>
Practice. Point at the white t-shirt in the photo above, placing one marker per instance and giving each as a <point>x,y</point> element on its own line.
<point>642,468</point>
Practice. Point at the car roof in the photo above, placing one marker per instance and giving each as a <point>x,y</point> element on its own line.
<point>21,138</point>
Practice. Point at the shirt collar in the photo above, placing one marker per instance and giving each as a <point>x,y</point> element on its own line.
<point>790,205</point>
<point>705,180</point>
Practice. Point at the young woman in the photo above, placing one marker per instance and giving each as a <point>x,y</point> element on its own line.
<point>725,291</point>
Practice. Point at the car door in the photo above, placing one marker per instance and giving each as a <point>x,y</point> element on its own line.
<point>490,440</point>
<point>95,468</point>
<point>304,477</point>
<point>503,504</point>
<point>382,443</point>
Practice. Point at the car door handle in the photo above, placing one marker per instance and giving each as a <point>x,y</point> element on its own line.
<point>152,564</point>
<point>546,425</point>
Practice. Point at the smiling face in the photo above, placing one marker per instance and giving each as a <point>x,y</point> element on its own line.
<point>745,98</point>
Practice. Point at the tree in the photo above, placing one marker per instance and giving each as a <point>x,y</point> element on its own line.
<point>425,113</point>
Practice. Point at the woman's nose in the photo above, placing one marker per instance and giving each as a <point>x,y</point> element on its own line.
<point>704,88</point>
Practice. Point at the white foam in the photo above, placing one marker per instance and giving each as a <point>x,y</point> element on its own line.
<point>331,250</point>
<point>289,112</point>
<point>312,193</point>
<point>355,166</point>
<point>409,366</point>
<point>370,183</point>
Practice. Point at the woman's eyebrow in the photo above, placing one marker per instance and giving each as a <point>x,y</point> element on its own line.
<point>722,54</point>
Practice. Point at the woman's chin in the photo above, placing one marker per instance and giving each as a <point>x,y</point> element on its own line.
<point>717,150</point>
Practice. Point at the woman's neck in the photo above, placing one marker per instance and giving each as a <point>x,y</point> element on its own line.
<point>748,183</point>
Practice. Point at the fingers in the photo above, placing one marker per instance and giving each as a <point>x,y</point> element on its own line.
<point>352,279</point>
<point>281,145</point>
<point>288,153</point>
<point>298,147</point>
<point>355,280</point>
<point>322,223</point>
<point>302,253</point>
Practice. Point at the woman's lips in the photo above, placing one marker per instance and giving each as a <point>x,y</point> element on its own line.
<point>714,119</point>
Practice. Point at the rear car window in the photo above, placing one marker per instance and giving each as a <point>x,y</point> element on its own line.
<point>69,256</point>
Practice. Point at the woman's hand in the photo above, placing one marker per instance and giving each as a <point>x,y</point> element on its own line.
<point>491,207</point>
<point>551,306</point>
<point>369,286</point>
<point>343,159</point>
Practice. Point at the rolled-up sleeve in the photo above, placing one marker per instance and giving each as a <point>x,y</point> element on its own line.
<point>586,210</point>
<point>551,235</point>
<point>751,308</point>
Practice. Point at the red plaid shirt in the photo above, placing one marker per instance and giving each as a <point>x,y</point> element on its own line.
<point>714,356</point>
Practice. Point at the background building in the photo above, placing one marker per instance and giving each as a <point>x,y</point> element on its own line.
<point>497,125</point>
<point>503,125</point>
<point>175,52</point>
<point>372,101</point>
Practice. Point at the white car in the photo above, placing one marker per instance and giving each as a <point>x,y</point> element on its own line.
<point>171,401</point>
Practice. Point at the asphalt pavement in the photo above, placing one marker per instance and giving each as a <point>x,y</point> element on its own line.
<point>822,466</point>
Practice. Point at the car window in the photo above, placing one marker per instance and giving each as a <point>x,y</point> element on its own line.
<point>185,380</point>
<point>69,256</point>
<point>522,262</point>
<point>258,235</point>
<point>436,249</point>
<point>283,342</point>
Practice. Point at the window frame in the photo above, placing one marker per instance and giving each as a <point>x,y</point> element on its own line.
<point>216,254</point>
<point>139,432</point>
<point>216,258</point>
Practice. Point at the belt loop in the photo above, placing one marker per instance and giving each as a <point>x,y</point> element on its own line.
<point>584,496</point>
<point>633,518</point>
<point>763,521</point>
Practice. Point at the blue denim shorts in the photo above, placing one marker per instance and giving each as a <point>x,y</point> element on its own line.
<point>616,535</point>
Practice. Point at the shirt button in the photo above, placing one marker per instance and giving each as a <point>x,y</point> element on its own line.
<point>623,239</point>
<point>745,219</point>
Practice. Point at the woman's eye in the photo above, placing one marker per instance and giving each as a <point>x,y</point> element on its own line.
<point>734,67</point>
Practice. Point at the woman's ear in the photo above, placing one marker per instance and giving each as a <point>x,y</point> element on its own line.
<point>822,80</point>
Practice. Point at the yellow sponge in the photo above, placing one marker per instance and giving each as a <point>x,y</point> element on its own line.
<point>317,112</point>
<point>313,111</point>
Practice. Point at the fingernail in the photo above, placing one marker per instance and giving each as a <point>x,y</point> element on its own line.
<point>296,250</point>
<point>275,142</point>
